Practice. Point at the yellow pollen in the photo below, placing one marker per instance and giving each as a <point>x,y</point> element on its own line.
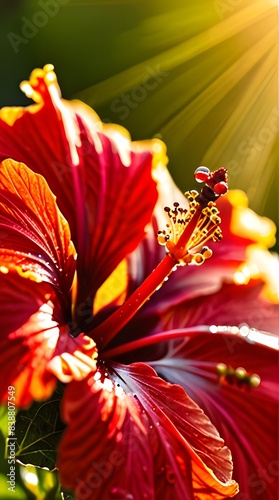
<point>238,377</point>
<point>207,228</point>
<point>241,372</point>
<point>255,380</point>
<point>221,369</point>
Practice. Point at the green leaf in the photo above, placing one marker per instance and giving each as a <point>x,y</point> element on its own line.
<point>38,432</point>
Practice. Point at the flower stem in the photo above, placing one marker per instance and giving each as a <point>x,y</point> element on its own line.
<point>106,331</point>
<point>154,339</point>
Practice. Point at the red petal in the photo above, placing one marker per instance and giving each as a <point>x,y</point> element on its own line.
<point>246,419</point>
<point>34,341</point>
<point>121,198</point>
<point>101,179</point>
<point>36,236</point>
<point>130,433</point>
<point>232,305</point>
<point>28,337</point>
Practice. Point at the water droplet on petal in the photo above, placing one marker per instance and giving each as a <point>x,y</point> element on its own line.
<point>213,329</point>
<point>221,188</point>
<point>201,174</point>
<point>170,476</point>
<point>119,437</point>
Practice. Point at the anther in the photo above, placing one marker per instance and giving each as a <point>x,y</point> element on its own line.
<point>220,188</point>
<point>216,184</point>
<point>238,377</point>
<point>189,229</point>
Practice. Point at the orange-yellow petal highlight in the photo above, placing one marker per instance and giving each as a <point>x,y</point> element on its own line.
<point>247,224</point>
<point>76,361</point>
<point>113,290</point>
<point>260,265</point>
<point>35,345</point>
<point>35,239</point>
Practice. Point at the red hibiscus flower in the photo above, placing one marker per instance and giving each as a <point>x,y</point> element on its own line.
<point>132,433</point>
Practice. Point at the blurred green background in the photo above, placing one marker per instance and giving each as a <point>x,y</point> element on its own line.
<point>201,75</point>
